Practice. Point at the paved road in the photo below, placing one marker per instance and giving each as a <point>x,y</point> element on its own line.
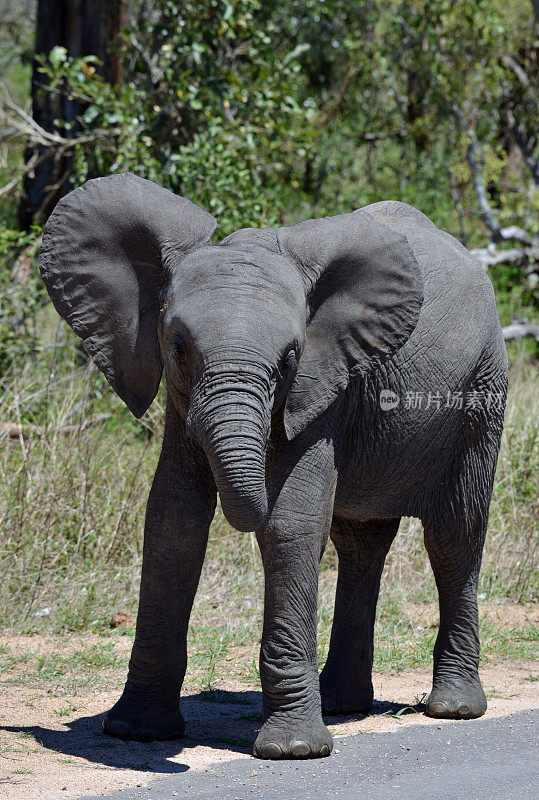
<point>496,759</point>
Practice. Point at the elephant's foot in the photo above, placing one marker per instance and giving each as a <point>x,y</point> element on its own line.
<point>142,722</point>
<point>342,694</point>
<point>292,738</point>
<point>461,699</point>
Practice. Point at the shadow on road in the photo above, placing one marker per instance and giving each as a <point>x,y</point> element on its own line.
<point>380,708</point>
<point>217,719</point>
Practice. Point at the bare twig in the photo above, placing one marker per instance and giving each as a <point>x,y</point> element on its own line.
<point>487,215</point>
<point>16,123</point>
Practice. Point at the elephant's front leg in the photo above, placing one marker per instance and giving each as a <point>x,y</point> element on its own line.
<point>178,515</point>
<point>291,545</point>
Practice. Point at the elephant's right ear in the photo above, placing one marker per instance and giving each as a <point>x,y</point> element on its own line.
<point>106,252</point>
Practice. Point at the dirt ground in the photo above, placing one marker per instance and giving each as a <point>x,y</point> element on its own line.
<point>52,747</point>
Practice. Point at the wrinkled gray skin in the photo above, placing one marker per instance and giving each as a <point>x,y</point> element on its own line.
<point>276,344</point>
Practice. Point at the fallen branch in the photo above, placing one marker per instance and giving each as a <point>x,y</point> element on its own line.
<point>12,430</point>
<point>519,330</point>
<point>516,257</point>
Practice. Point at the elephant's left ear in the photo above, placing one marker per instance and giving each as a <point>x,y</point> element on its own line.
<point>364,293</point>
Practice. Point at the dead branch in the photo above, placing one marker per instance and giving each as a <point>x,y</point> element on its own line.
<point>519,330</point>
<point>375,137</point>
<point>15,123</point>
<point>22,124</point>
<point>339,100</point>
<point>526,142</point>
<point>12,430</point>
<point>487,215</point>
<point>525,139</point>
<point>517,257</point>
<point>456,196</point>
<point>514,66</point>
<point>155,74</point>
<point>32,162</point>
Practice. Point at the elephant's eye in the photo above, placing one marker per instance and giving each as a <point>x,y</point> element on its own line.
<point>180,346</point>
<point>289,363</point>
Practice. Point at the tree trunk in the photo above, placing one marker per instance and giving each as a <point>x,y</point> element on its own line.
<point>83,27</point>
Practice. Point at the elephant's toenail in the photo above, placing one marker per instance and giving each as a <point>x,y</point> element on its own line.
<point>463,710</point>
<point>324,751</point>
<point>438,709</point>
<point>300,749</point>
<point>270,750</point>
<point>115,727</point>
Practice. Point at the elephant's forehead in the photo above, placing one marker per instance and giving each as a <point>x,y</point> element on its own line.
<point>234,268</point>
<point>224,292</point>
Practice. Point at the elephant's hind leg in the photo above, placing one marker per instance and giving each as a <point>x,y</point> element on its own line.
<point>457,692</point>
<point>345,682</point>
<point>455,532</point>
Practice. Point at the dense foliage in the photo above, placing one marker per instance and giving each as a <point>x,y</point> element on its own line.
<point>263,112</point>
<point>210,108</point>
<point>268,113</point>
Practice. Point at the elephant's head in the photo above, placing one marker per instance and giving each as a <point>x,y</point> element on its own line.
<point>267,319</point>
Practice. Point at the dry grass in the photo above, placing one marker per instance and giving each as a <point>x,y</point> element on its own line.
<point>72,505</point>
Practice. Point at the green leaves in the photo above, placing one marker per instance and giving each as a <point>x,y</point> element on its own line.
<point>58,55</point>
<point>210,107</point>
<point>270,112</point>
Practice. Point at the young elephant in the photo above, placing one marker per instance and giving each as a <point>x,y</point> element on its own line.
<point>325,379</point>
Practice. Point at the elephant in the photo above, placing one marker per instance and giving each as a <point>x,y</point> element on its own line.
<point>325,379</point>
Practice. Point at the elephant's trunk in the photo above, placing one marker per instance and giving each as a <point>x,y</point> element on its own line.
<point>230,414</point>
